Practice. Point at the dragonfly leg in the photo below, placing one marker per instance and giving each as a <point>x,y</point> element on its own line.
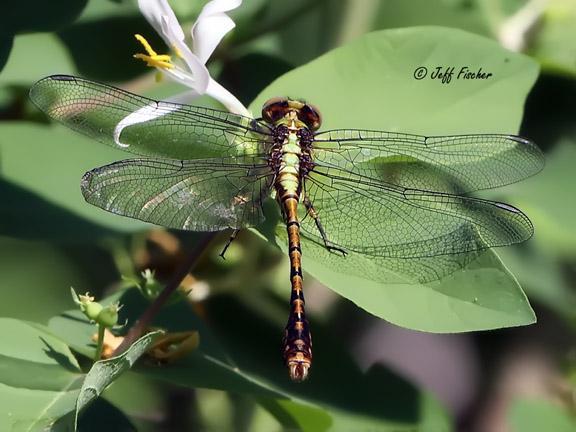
<point>229,242</point>
<point>314,215</point>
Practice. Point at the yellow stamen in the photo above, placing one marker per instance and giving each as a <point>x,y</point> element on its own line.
<point>153,59</point>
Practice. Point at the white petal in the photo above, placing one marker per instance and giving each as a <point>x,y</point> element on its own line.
<point>144,114</point>
<point>196,77</point>
<point>211,26</point>
<point>161,16</point>
<point>226,98</point>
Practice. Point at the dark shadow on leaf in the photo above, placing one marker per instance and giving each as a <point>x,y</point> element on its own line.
<point>99,416</point>
<point>23,214</point>
<point>103,49</point>
<point>246,76</point>
<point>5,48</point>
<point>60,358</point>
<point>39,15</point>
<point>335,379</point>
<point>550,110</point>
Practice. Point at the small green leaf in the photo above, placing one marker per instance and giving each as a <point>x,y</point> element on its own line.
<point>105,372</point>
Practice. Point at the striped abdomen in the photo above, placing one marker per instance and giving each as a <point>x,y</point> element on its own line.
<point>297,343</point>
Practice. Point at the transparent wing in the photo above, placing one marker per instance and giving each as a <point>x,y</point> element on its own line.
<point>390,270</point>
<point>459,163</point>
<point>144,126</point>
<point>382,220</point>
<point>198,195</point>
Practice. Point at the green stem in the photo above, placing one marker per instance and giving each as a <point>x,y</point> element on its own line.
<point>145,320</point>
<point>100,343</point>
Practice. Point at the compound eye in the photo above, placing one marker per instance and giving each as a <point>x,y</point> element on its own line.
<point>274,109</point>
<point>310,116</point>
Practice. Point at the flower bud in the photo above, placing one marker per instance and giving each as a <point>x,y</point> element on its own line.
<point>108,316</point>
<point>87,305</point>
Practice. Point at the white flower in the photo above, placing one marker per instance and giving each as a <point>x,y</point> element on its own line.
<point>514,31</point>
<point>189,67</point>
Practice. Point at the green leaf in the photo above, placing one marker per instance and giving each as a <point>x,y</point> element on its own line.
<point>245,359</point>
<point>370,84</point>
<point>546,203</point>
<point>552,43</point>
<point>483,295</point>
<point>298,416</point>
<point>543,279</point>
<point>105,372</point>
<point>39,294</point>
<point>462,14</point>
<point>33,56</point>
<point>538,415</point>
<point>65,157</point>
<point>39,376</point>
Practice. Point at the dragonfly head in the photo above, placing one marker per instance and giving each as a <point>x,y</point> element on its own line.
<point>277,110</point>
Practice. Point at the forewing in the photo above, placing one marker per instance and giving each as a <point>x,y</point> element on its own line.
<point>144,126</point>
<point>198,195</point>
<point>383,220</point>
<point>457,164</point>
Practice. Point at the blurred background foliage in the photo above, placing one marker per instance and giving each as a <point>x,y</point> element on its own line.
<point>514,379</point>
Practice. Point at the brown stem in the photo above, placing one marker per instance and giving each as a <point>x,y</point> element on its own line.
<point>146,319</point>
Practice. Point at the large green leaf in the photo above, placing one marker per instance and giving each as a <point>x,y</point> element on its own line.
<point>39,377</point>
<point>370,84</point>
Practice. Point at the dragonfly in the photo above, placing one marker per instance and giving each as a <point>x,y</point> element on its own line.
<point>387,197</point>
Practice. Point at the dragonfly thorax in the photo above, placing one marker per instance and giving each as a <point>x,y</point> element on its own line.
<point>289,111</point>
